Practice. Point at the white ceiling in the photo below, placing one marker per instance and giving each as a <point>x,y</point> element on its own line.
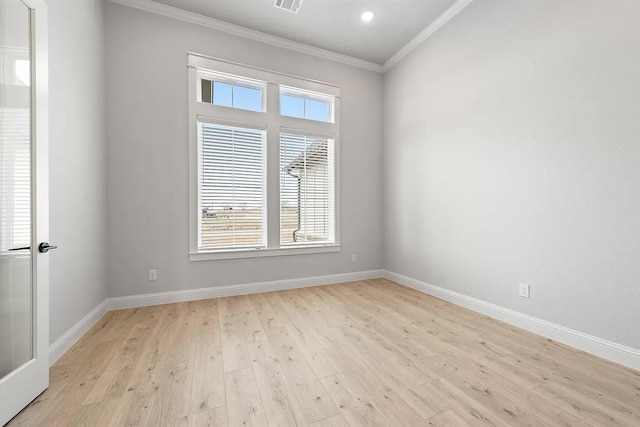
<point>333,25</point>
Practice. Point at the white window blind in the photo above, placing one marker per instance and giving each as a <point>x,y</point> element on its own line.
<point>231,187</point>
<point>15,178</point>
<point>306,189</point>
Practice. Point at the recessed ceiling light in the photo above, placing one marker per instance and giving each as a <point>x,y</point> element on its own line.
<point>367,16</point>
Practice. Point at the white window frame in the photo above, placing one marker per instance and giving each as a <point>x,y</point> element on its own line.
<point>270,118</point>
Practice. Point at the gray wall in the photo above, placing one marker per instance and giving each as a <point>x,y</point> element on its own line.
<point>77,161</point>
<point>147,164</point>
<point>512,154</point>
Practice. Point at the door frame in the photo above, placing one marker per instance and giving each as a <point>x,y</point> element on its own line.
<point>26,382</point>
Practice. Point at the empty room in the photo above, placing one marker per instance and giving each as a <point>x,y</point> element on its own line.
<point>319,213</point>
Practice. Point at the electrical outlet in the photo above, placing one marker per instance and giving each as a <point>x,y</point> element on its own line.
<point>153,274</point>
<point>524,290</point>
<point>354,258</point>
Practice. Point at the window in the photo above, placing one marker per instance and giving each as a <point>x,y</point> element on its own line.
<point>231,187</point>
<point>305,105</point>
<point>306,189</point>
<point>231,91</point>
<point>263,162</point>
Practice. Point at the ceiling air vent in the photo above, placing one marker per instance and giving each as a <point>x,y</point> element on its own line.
<point>289,5</point>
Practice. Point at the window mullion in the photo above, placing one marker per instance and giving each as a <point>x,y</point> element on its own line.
<point>273,167</point>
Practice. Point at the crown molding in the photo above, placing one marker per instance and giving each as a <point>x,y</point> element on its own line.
<point>205,21</point>
<point>426,33</point>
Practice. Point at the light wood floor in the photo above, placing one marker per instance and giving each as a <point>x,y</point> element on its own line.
<point>360,353</point>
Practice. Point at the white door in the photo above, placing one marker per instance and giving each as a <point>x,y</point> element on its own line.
<point>24,269</point>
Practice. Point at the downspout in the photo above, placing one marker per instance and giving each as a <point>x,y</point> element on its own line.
<point>295,238</point>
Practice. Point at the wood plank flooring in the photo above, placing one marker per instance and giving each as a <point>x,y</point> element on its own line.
<point>369,353</point>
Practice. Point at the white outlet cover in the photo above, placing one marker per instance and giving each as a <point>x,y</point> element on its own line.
<point>524,290</point>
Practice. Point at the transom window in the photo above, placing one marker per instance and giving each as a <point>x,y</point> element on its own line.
<point>263,162</point>
<point>232,91</point>
<point>305,105</point>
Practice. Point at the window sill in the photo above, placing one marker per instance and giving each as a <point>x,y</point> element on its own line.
<point>259,253</point>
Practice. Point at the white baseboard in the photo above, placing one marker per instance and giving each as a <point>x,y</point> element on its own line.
<point>600,347</point>
<point>144,300</point>
<point>66,341</point>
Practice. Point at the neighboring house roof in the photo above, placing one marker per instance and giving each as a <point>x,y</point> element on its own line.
<point>315,154</point>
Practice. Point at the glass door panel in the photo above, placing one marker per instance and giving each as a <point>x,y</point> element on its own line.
<point>16,291</point>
